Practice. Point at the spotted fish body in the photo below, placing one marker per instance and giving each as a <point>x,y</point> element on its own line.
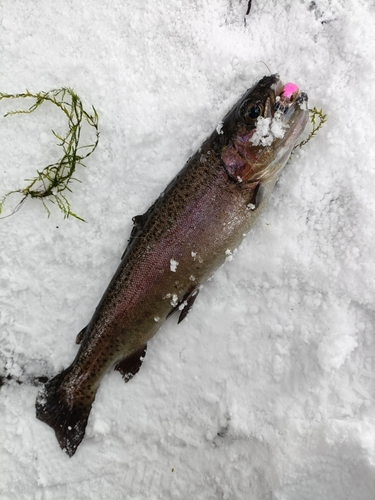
<point>189,231</point>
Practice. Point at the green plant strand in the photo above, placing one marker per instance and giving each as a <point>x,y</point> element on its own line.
<point>54,179</point>
<point>314,114</point>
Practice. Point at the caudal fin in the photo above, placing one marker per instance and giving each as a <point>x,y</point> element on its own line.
<point>67,417</point>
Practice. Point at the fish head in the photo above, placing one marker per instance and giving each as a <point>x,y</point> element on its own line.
<point>262,129</point>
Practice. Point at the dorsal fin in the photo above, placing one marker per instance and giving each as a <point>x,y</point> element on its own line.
<point>139,222</point>
<point>81,335</point>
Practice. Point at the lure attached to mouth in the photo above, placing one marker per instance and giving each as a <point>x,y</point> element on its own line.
<point>290,91</point>
<point>289,94</point>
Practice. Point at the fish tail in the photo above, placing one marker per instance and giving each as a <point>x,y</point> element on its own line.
<point>66,415</point>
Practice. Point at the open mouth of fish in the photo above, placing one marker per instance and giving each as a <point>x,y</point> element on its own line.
<point>290,109</point>
<point>282,101</point>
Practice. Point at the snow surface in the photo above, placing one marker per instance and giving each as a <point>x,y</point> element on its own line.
<point>267,390</point>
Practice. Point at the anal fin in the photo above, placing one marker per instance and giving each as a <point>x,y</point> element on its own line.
<point>130,366</point>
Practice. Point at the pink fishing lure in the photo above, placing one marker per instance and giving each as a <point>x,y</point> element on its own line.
<point>289,89</point>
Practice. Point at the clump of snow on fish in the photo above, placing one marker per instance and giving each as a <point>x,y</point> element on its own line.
<point>230,254</point>
<point>173,265</point>
<point>268,129</point>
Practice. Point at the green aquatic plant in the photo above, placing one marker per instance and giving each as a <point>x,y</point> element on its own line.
<point>317,119</point>
<point>52,182</point>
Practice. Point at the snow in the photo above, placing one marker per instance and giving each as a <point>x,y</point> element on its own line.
<point>267,130</point>
<point>173,265</point>
<point>266,390</point>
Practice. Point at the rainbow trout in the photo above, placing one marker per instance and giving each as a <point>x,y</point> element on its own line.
<point>187,233</point>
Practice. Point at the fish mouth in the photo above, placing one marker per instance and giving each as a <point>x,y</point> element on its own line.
<point>287,98</point>
<point>277,133</point>
<point>290,110</point>
<point>283,99</point>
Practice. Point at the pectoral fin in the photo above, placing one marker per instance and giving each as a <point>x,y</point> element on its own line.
<point>130,366</point>
<point>185,304</point>
<point>188,305</point>
<point>256,196</point>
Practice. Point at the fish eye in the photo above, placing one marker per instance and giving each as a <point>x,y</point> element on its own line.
<point>253,112</point>
<point>250,111</point>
